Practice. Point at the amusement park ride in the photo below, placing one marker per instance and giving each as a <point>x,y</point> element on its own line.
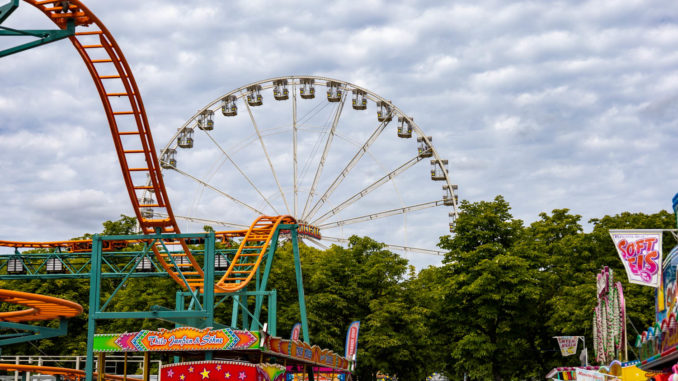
<point>210,268</point>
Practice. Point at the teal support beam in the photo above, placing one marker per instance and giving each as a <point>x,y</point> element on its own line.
<point>201,314</point>
<point>208,285</point>
<point>39,332</point>
<point>272,315</point>
<point>179,306</point>
<point>300,283</point>
<point>261,285</point>
<point>234,314</point>
<point>94,301</point>
<point>244,306</point>
<point>7,9</point>
<point>43,37</point>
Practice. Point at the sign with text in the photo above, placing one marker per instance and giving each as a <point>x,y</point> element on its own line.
<point>590,375</point>
<point>178,339</point>
<point>352,340</point>
<point>568,344</point>
<point>296,330</point>
<point>641,254</point>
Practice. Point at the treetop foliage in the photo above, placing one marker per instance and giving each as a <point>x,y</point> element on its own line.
<point>490,311</point>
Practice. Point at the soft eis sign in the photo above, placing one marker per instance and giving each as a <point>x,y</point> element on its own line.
<point>641,254</point>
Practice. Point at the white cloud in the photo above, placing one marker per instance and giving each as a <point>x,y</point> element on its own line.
<point>561,104</point>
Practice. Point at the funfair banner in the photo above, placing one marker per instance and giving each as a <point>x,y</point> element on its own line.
<point>352,340</point>
<point>568,344</point>
<point>296,330</point>
<point>590,375</point>
<point>641,254</point>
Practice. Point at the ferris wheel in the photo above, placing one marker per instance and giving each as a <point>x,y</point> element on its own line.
<point>338,157</point>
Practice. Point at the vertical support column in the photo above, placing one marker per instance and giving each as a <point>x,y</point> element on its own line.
<point>675,207</point>
<point>272,313</point>
<point>94,303</point>
<point>300,283</point>
<point>124,368</point>
<point>234,315</point>
<point>101,366</point>
<point>261,285</point>
<point>208,285</point>
<point>147,367</point>
<point>180,305</point>
<point>244,306</point>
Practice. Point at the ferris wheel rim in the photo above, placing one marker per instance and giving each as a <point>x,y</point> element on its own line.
<point>294,81</point>
<point>395,110</point>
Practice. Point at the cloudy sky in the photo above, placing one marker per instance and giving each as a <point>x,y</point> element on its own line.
<point>563,104</point>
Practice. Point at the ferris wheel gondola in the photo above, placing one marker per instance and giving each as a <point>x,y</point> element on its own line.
<point>298,161</point>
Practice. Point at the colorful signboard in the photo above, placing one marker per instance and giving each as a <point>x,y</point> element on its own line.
<point>591,375</point>
<point>352,340</point>
<point>305,230</point>
<point>178,339</point>
<point>568,344</point>
<point>641,253</point>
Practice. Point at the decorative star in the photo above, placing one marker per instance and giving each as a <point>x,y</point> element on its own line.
<point>190,369</point>
<point>242,376</point>
<point>227,375</point>
<point>182,377</point>
<point>205,373</point>
<point>170,373</point>
<point>218,367</point>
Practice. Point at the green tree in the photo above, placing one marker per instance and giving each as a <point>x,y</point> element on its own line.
<point>490,295</point>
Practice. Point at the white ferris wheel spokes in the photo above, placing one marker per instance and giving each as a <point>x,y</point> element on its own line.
<point>326,166</point>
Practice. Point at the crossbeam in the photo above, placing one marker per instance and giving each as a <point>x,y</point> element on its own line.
<point>44,36</point>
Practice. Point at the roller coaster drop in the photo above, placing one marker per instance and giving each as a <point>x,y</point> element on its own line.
<point>160,246</point>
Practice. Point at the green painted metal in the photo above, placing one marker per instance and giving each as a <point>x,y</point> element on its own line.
<point>272,318</point>
<point>39,332</point>
<point>300,283</point>
<point>43,37</point>
<point>234,313</point>
<point>94,300</point>
<point>198,312</point>
<point>262,283</point>
<point>115,264</point>
<point>7,9</point>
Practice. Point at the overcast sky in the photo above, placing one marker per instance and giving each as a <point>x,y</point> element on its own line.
<point>563,104</point>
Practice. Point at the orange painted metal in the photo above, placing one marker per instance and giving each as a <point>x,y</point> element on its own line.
<point>38,307</point>
<point>100,51</point>
<point>244,266</point>
<point>94,43</point>
<point>73,246</point>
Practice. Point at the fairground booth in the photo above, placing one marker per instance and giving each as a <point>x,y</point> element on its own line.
<point>655,349</point>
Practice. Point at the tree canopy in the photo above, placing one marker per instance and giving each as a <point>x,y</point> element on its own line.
<point>489,311</point>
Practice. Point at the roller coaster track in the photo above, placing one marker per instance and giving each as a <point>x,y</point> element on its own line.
<point>39,307</point>
<point>136,151</point>
<point>251,251</point>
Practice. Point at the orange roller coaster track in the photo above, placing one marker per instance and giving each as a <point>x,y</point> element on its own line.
<point>126,118</point>
<point>137,154</point>
<point>39,307</point>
